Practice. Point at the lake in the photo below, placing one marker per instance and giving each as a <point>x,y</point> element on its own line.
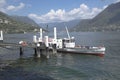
<point>63,66</point>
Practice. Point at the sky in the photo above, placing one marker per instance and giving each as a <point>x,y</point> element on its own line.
<point>48,11</point>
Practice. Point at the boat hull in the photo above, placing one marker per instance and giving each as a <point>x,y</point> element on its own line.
<point>81,51</point>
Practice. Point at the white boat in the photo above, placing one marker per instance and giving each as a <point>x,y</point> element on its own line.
<point>67,45</point>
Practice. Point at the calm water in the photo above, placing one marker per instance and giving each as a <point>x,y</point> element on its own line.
<point>64,66</point>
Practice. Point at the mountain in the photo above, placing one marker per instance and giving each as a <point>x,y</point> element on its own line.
<point>16,25</point>
<point>24,19</point>
<point>107,20</point>
<point>60,25</point>
<point>3,16</point>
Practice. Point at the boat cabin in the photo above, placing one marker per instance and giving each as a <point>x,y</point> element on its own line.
<point>66,43</point>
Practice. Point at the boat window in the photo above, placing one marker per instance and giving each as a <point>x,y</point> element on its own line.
<point>68,40</point>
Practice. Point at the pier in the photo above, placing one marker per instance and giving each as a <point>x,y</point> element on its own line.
<point>38,50</point>
<point>41,45</point>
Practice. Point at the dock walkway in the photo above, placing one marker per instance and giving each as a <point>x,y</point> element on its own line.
<point>38,50</point>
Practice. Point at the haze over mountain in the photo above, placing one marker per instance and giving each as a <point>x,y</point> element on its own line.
<point>107,20</point>
<point>60,25</point>
<point>16,24</point>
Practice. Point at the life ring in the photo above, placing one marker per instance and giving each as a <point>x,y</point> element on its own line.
<point>23,43</point>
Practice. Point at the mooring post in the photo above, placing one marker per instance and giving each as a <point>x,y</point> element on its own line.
<point>39,54</point>
<point>47,46</point>
<point>35,49</point>
<point>38,50</point>
<point>54,49</point>
<point>21,51</point>
<point>1,37</point>
<point>47,52</point>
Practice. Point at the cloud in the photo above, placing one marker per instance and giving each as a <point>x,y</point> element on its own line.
<point>15,8</point>
<point>5,7</point>
<point>2,5</point>
<point>117,1</point>
<point>82,12</point>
